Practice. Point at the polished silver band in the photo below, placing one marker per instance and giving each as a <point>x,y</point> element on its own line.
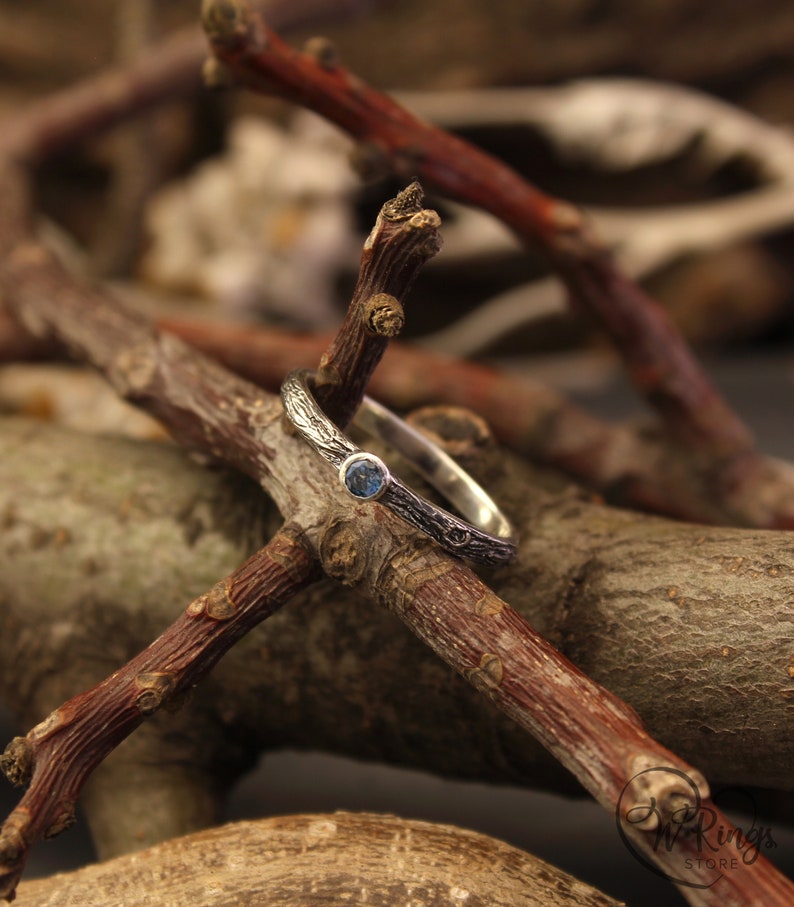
<point>489,538</point>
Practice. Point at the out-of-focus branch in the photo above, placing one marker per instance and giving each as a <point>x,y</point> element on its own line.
<point>169,70</point>
<point>629,465</point>
<point>655,355</point>
<point>615,124</point>
<point>591,732</point>
<point>78,112</point>
<point>643,241</point>
<point>137,154</point>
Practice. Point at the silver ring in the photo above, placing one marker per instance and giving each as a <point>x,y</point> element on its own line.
<point>488,538</point>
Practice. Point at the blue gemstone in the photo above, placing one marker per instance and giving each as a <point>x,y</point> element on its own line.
<point>364,478</point>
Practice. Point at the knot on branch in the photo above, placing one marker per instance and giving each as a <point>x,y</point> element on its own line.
<point>488,674</point>
<point>343,552</point>
<point>384,315</point>
<point>216,604</point>
<point>465,436</point>
<point>226,22</point>
<point>16,763</point>
<point>324,52</point>
<point>65,818</point>
<point>155,689</point>
<point>661,795</point>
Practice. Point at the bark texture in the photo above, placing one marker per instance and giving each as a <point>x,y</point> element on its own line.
<point>341,858</point>
<point>690,625</point>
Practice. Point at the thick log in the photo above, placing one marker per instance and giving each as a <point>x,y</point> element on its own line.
<point>341,858</point>
<point>100,553</point>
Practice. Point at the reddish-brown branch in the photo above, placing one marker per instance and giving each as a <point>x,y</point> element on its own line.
<point>627,465</point>
<point>170,70</point>
<point>723,482</point>
<point>444,603</point>
<point>404,237</point>
<point>58,755</point>
<point>598,737</point>
<point>207,408</point>
<point>656,356</point>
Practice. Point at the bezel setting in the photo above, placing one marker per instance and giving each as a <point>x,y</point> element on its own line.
<point>371,482</point>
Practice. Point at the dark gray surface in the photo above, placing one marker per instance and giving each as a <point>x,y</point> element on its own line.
<point>577,836</point>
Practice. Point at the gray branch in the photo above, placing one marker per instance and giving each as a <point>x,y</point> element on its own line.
<point>691,626</point>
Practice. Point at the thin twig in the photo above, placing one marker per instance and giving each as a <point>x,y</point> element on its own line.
<point>170,70</point>
<point>595,735</point>
<point>627,464</point>
<point>167,72</point>
<point>410,235</point>
<point>56,757</point>
<point>209,410</point>
<point>137,155</point>
<point>655,355</point>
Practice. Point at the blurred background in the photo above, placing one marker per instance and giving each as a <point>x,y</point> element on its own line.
<point>669,120</point>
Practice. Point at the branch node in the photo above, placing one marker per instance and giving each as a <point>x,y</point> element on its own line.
<point>343,552</point>
<point>217,603</point>
<point>464,435</point>
<point>488,675</point>
<point>384,315</point>
<point>662,794</point>
<point>16,763</point>
<point>324,52</point>
<point>427,219</point>
<point>226,22</point>
<point>133,370</point>
<point>155,688</point>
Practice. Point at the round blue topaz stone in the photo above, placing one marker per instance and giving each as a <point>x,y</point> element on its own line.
<point>364,476</point>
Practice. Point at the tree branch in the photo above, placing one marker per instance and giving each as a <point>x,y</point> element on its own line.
<point>629,599</point>
<point>404,237</point>
<point>655,355</point>
<point>446,605</point>
<point>55,758</point>
<point>336,858</point>
<point>630,466</point>
<point>594,734</point>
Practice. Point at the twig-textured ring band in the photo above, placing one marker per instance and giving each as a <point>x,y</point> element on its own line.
<point>488,538</point>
